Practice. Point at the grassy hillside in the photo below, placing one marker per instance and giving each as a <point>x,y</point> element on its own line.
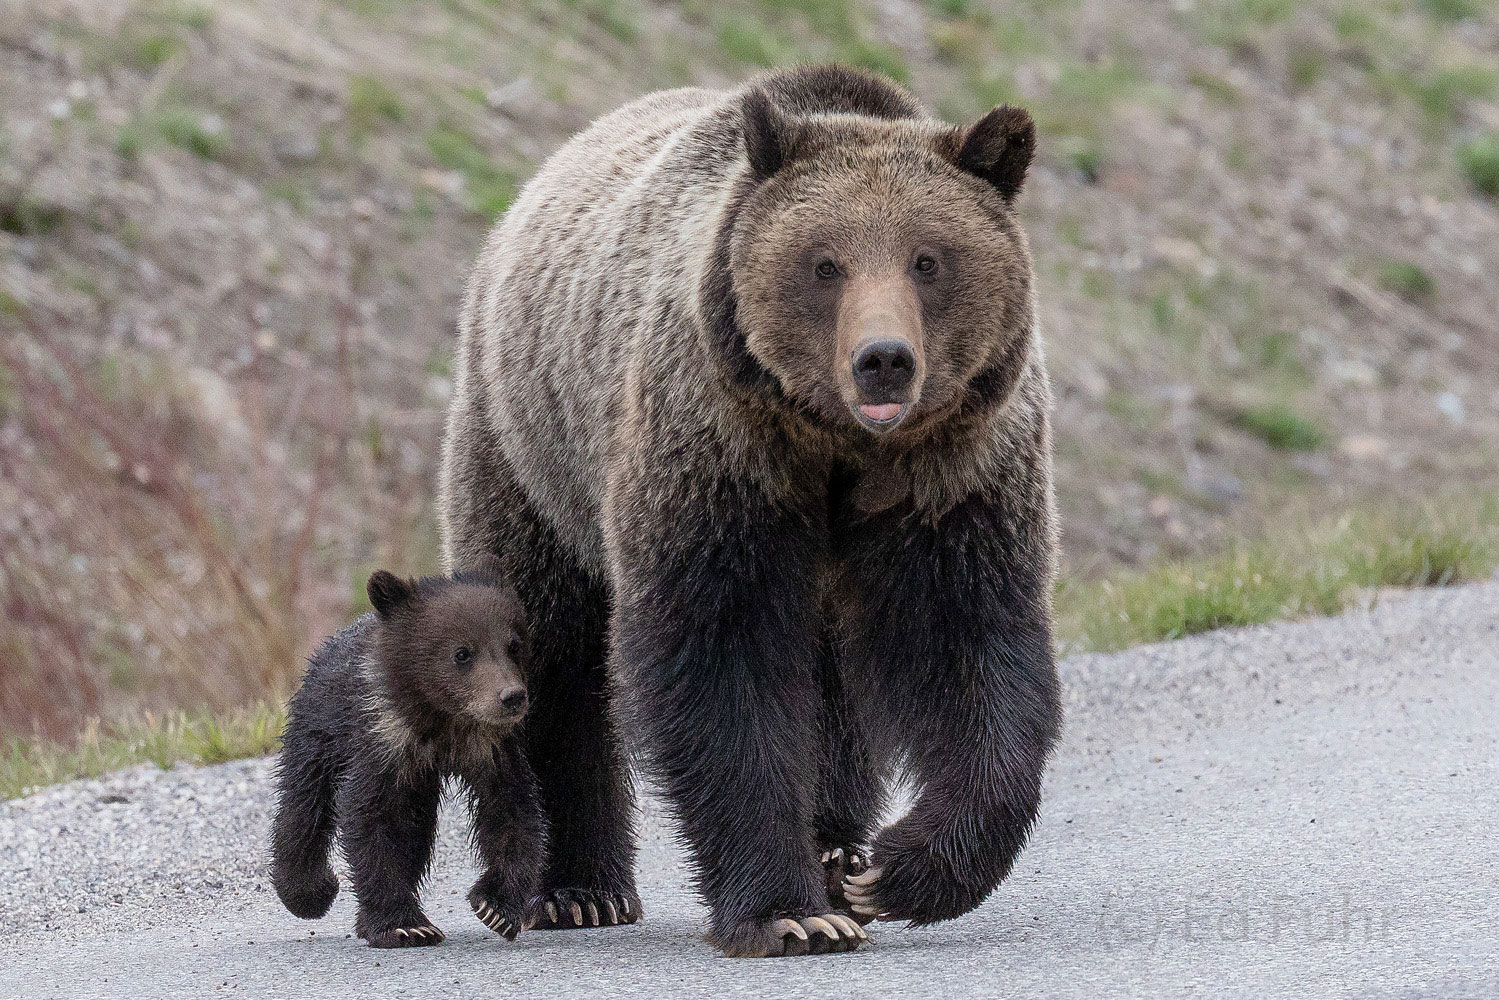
<point>232,237</point>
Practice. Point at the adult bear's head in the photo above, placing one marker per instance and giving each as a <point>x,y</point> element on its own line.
<point>871,267</point>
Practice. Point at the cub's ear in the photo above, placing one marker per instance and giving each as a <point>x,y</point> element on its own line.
<point>998,147</point>
<point>768,134</point>
<point>388,592</point>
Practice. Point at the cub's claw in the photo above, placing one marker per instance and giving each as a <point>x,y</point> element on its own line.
<point>502,924</point>
<point>423,935</point>
<point>839,863</point>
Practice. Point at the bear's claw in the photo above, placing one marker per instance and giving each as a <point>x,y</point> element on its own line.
<point>567,908</point>
<point>809,935</point>
<point>847,860</point>
<point>839,863</point>
<point>859,891</point>
<point>423,935</point>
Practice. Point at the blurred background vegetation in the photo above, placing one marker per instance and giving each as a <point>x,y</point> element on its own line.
<point>233,235</point>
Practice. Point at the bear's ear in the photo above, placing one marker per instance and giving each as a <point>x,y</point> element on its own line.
<point>768,134</point>
<point>998,147</point>
<point>388,592</point>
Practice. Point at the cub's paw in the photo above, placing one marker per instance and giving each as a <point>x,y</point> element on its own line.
<point>806,935</point>
<point>839,863</point>
<point>563,909</point>
<point>309,896</point>
<point>504,920</point>
<point>422,935</point>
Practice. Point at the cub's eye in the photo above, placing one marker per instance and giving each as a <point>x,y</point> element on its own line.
<point>463,656</point>
<point>827,269</point>
<point>513,650</point>
<point>926,264</point>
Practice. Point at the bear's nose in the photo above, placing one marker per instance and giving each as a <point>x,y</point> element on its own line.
<point>513,700</point>
<point>883,370</point>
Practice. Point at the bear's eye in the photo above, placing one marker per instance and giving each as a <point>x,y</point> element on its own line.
<point>513,650</point>
<point>926,264</point>
<point>463,656</point>
<point>827,269</point>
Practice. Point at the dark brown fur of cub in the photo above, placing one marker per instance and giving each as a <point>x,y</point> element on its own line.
<point>429,686</point>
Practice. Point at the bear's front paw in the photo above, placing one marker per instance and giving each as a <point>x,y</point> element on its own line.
<point>910,880</point>
<point>808,935</point>
<point>422,935</point>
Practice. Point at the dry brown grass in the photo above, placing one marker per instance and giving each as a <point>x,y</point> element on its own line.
<point>154,593</point>
<point>241,238</point>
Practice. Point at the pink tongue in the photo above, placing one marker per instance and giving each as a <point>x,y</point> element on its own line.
<point>881,412</point>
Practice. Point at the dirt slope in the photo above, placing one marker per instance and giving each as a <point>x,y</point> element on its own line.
<point>232,237</point>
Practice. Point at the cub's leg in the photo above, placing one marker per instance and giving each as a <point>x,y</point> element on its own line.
<point>301,836</point>
<point>388,816</point>
<point>509,833</point>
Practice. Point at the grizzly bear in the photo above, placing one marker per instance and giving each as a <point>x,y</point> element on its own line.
<point>429,686</point>
<point>751,404</point>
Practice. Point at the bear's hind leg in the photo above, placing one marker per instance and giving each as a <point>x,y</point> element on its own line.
<point>586,791</point>
<point>851,788</point>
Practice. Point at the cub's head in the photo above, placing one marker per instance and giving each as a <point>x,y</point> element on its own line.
<point>875,266</point>
<point>452,649</point>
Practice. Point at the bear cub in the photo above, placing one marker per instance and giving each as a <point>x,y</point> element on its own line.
<point>429,686</point>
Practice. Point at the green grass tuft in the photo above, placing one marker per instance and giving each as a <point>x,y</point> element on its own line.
<point>1215,86</point>
<point>179,738</point>
<point>611,15</point>
<point>1452,11</point>
<point>490,188</point>
<point>187,129</point>
<point>372,104</point>
<point>1407,280</point>
<point>1279,427</point>
<point>130,142</point>
<point>748,43</point>
<point>151,51</point>
<point>1319,572</point>
<point>28,216</point>
<point>878,57</point>
<point>1478,159</point>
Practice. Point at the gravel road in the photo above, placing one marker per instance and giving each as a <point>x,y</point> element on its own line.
<point>1289,810</point>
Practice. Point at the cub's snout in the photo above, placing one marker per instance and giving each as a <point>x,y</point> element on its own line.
<point>513,701</point>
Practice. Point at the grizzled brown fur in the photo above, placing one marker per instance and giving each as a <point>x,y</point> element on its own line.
<point>751,396</point>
